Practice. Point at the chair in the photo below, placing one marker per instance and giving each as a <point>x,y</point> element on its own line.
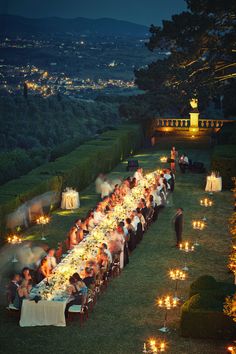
<point>92,299</point>
<point>115,268</point>
<point>81,311</point>
<point>10,307</point>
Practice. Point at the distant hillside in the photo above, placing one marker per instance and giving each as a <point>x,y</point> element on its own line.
<point>11,25</point>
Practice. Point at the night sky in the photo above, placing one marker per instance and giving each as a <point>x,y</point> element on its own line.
<point>138,11</point>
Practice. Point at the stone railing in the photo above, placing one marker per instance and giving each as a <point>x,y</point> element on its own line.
<point>185,123</point>
<point>172,122</point>
<point>212,123</point>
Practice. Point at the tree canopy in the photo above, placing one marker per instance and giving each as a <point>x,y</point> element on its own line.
<point>201,48</point>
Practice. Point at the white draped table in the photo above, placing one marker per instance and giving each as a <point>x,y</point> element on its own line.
<point>43,313</point>
<point>214,184</point>
<point>70,200</point>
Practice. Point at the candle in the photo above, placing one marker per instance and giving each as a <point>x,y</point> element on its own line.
<point>162,346</point>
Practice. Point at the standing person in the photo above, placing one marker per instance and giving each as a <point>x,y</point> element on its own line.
<point>106,189</point>
<point>173,157</point>
<point>183,162</point>
<point>51,259</point>
<point>178,225</point>
<point>12,287</point>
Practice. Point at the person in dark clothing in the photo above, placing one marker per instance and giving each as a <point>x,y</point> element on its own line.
<point>12,288</point>
<point>178,225</point>
<point>89,279</point>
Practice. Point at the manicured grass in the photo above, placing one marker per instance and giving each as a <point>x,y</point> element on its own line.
<point>126,315</point>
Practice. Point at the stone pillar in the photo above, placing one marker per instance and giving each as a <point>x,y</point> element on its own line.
<point>194,115</point>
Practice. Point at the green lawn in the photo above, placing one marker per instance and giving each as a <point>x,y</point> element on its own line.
<point>126,315</point>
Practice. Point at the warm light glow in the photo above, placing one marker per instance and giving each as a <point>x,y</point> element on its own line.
<point>186,247</point>
<point>198,225</point>
<point>43,220</point>
<point>177,274</point>
<point>14,239</point>
<point>167,302</point>
<point>206,202</point>
<point>154,346</point>
<point>163,159</point>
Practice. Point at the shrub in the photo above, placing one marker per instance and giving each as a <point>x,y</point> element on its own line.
<point>201,323</point>
<point>76,169</point>
<point>203,282</point>
<point>202,315</point>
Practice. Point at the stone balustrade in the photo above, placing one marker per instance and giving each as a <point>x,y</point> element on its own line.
<point>172,122</point>
<point>185,123</point>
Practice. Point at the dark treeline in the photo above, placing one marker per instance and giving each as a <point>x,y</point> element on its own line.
<point>36,129</point>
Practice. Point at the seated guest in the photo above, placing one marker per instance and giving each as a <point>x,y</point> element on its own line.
<point>132,237</point>
<point>12,288</point>
<point>72,237</point>
<point>43,270</point>
<point>51,259</point>
<point>81,286</point>
<point>98,215</point>
<point>172,181</point>
<point>84,227</point>
<point>143,208</point>
<point>133,183</point>
<point>26,274</point>
<point>150,208</point>
<point>167,175</point>
<point>106,250</point>
<point>75,295</point>
<point>89,279</point>
<point>125,234</point>
<point>22,293</point>
<point>139,174</point>
<point>92,264</point>
<point>90,222</point>
<point>129,180</point>
<point>141,218</point>
<point>78,224</point>
<point>102,258</point>
<point>134,219</point>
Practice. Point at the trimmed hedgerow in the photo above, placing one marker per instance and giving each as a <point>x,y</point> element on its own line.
<point>76,169</point>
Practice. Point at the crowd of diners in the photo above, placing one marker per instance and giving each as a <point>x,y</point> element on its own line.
<point>123,240</point>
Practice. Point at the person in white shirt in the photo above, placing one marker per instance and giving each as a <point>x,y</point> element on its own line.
<point>139,174</point>
<point>156,197</point>
<point>107,251</point>
<point>106,189</point>
<point>167,175</point>
<point>98,182</point>
<point>183,162</point>
<point>135,220</point>
<point>98,215</point>
<point>52,262</point>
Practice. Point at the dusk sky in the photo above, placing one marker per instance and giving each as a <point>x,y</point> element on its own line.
<point>138,11</point>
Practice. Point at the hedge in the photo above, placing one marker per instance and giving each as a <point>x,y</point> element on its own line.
<point>201,323</point>
<point>224,161</point>
<point>202,315</point>
<point>76,169</point>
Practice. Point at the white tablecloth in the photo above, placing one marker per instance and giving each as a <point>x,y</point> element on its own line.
<point>214,184</point>
<point>44,313</point>
<point>70,200</point>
